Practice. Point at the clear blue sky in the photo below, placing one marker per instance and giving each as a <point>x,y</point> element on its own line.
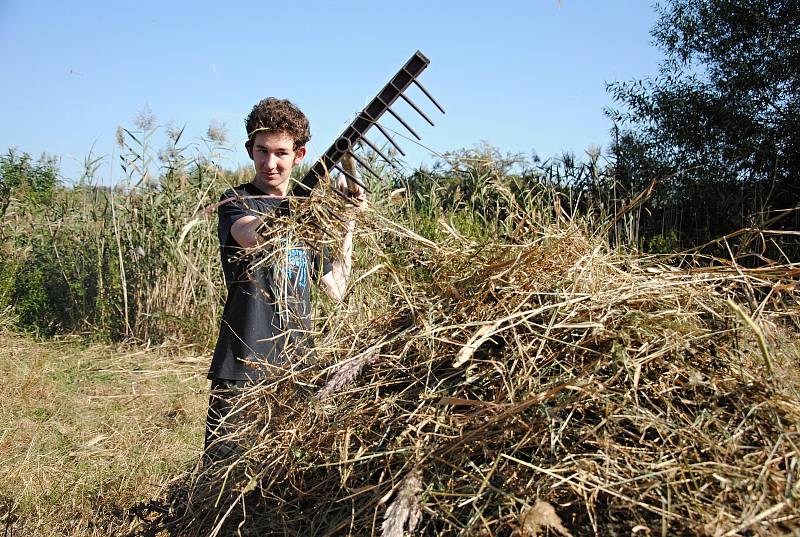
<point>524,76</point>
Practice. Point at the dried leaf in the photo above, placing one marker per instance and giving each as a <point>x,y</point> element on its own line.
<point>483,334</point>
<point>541,516</point>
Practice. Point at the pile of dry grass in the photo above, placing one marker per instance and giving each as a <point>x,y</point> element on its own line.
<point>537,384</point>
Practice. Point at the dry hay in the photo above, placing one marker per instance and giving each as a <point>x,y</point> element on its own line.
<point>541,385</point>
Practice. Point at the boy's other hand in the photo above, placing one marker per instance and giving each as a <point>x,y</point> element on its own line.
<point>355,191</point>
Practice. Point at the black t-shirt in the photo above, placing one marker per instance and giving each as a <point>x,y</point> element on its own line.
<point>267,315</point>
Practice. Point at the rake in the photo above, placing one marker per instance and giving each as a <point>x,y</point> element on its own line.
<point>355,133</point>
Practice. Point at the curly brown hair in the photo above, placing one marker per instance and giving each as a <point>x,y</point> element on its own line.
<point>279,115</point>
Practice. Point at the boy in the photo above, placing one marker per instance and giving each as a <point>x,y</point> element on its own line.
<point>267,311</point>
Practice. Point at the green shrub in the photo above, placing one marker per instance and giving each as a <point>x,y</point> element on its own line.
<point>32,181</point>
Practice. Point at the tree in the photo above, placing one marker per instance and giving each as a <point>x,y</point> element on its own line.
<point>720,124</point>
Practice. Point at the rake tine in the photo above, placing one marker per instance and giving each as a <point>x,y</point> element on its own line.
<point>351,177</point>
<point>414,106</point>
<point>398,118</point>
<point>379,152</point>
<point>333,214</point>
<point>428,95</point>
<point>391,140</point>
<point>366,166</point>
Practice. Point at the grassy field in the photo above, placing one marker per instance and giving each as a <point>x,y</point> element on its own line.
<point>87,431</point>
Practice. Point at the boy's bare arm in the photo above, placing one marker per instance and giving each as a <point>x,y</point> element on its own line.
<point>335,282</point>
<point>245,231</point>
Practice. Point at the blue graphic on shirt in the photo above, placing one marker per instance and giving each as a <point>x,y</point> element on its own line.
<point>297,267</point>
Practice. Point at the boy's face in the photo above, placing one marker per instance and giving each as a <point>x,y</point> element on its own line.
<point>274,157</point>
